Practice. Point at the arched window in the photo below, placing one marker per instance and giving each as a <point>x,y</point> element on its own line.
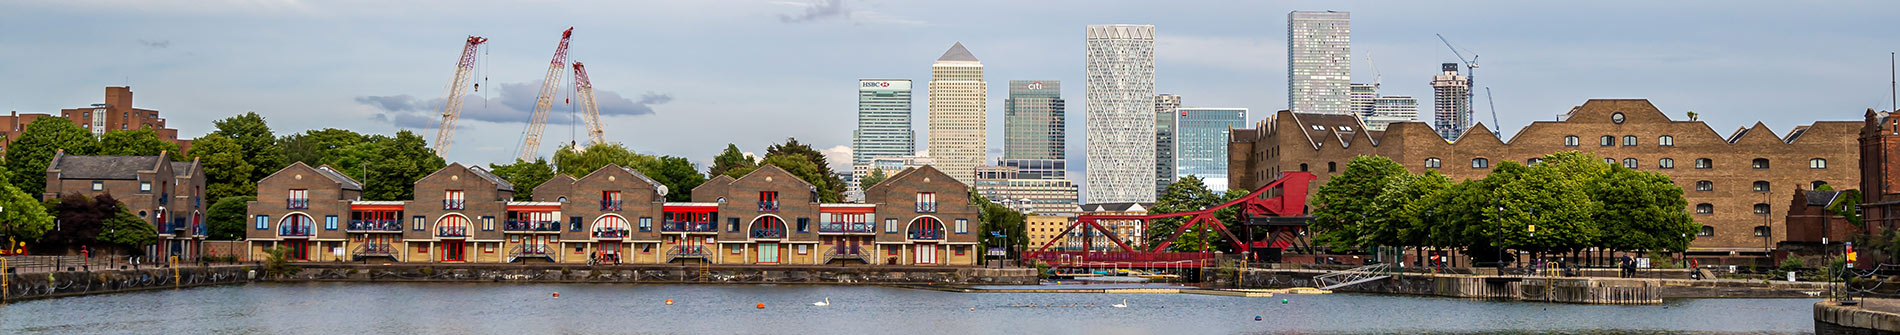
<point>1816,185</point>
<point>1629,140</point>
<point>1760,163</point>
<point>1480,163</point>
<point>1302,167</point>
<point>926,228</point>
<point>1761,231</point>
<point>1704,186</point>
<point>1607,160</point>
<point>1706,231</point>
<point>1704,163</point>
<point>452,226</point>
<point>611,226</point>
<point>1431,163</point>
<point>1817,163</point>
<point>768,227</point>
<point>1761,186</point>
<point>1606,140</point>
<point>1533,161</point>
<point>1629,163</point>
<point>1666,163</point>
<point>1332,167</point>
<point>1570,141</point>
<point>1666,140</point>
<point>1704,208</point>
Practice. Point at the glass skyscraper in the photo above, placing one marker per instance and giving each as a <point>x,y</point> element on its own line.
<point>1201,136</point>
<point>1318,62</point>
<point>883,121</point>
<point>1033,120</point>
<point>1165,105</point>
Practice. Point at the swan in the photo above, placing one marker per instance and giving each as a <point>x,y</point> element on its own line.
<point>827,302</point>
<point>1124,304</point>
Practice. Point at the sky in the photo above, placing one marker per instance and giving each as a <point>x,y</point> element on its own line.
<point>685,78</point>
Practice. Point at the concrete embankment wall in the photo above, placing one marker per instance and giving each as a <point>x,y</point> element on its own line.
<point>1831,318</point>
<point>1562,290</point>
<point>661,274</point>
<point>39,285</point>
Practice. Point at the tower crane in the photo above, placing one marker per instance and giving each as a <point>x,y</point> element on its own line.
<point>452,110</point>
<point>1495,129</point>
<point>589,110</point>
<point>1471,79</point>
<point>531,139</point>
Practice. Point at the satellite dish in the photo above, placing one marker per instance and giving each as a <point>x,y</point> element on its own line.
<point>662,190</point>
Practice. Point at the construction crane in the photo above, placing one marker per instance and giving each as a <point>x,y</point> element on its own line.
<point>589,110</point>
<point>1495,129</point>
<point>1376,76</point>
<point>452,110</point>
<point>531,139</point>
<point>1471,78</point>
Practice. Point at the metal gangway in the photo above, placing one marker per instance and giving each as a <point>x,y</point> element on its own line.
<point>1353,276</point>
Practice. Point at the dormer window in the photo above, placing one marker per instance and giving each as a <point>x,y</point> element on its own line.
<point>1319,127</point>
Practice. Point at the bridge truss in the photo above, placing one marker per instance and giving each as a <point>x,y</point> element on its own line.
<point>1280,206</point>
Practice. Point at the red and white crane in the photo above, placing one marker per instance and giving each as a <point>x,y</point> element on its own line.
<point>589,110</point>
<point>531,140</point>
<point>451,111</point>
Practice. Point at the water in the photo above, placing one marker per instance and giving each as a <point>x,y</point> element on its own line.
<point>342,308</point>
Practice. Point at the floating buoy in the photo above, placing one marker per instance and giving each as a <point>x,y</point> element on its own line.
<point>761,305</point>
<point>1256,318</point>
<point>1283,301</point>
<point>557,295</point>
<point>972,309</point>
<point>669,301</point>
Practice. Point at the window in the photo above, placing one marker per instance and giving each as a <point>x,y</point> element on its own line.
<point>610,200</point>
<point>329,222</point>
<point>1302,167</point>
<point>452,200</point>
<point>1704,163</point>
<point>1706,231</point>
<point>573,223</point>
<point>959,249</point>
<point>1607,160</point>
<point>98,186</point>
<point>1533,161</point>
<point>1816,185</point>
<point>298,199</point>
<point>1629,140</point>
<point>1761,186</point>
<point>1629,163</point>
<point>1761,208</point>
<point>1666,163</point>
<point>1704,208</point>
<point>1570,141</point>
<point>1760,163</point>
<point>646,224</point>
<point>1617,117</point>
<point>145,187</point>
<point>890,226</point>
<point>488,223</point>
<point>1430,163</point>
<point>1761,231</point>
<point>263,222</point>
<point>1817,163</point>
<point>801,249</point>
<point>736,250</point>
<point>804,226</point>
<point>926,202</point>
<point>1666,140</point>
<point>1704,186</point>
<point>418,222</point>
<point>732,225</point>
<point>1480,163</point>
<point>963,226</point>
<point>1332,167</point>
<point>768,201</point>
<point>1606,140</point>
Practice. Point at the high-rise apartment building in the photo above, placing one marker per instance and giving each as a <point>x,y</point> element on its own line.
<point>1201,142</point>
<point>1005,186</point>
<point>883,120</point>
<point>1388,109</point>
<point>1165,105</point>
<point>959,108</point>
<point>1360,99</point>
<point>1121,101</point>
<point>1318,61</point>
<point>1033,120</point>
<point>1451,102</point>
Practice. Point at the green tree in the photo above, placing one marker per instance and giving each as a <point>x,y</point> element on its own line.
<point>731,162</point>
<point>225,219</point>
<point>258,142</point>
<point>806,163</point>
<point>316,147</point>
<point>999,226</point>
<point>1642,211</point>
<point>30,155</point>
<point>1185,195</point>
<point>1341,204</point>
<point>872,178</point>
<point>388,166</point>
<point>677,173</point>
<point>1390,220</point>
<point>128,232</point>
<point>227,173</point>
<point>524,175</point>
<point>141,142</point>
<point>579,162</point>
<point>21,215</point>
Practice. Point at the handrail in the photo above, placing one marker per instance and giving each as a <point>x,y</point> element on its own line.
<point>768,206</point>
<point>926,234</point>
<point>519,225</point>
<point>454,204</point>
<point>768,233</point>
<point>375,225</point>
<point>611,233</point>
<point>610,205</point>
<point>926,207</point>
<point>686,251</point>
<point>847,227</point>
<point>294,203</point>
<point>691,227</point>
<point>451,231</point>
<point>304,229</point>
<point>373,249</point>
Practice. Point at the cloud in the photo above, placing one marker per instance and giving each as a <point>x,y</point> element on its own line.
<point>512,103</point>
<point>818,11</point>
<point>838,157</point>
<point>159,44</point>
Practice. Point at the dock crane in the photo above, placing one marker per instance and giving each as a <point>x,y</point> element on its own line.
<point>1471,79</point>
<point>452,110</point>
<point>531,139</point>
<point>589,110</point>
<point>1495,129</point>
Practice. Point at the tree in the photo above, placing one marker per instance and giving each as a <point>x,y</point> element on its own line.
<point>227,173</point>
<point>807,164</point>
<point>871,179</point>
<point>1185,195</point>
<point>1642,211</point>
<point>94,222</point>
<point>1341,204</point>
<point>260,148</point>
<point>21,215</point>
<point>388,167</point>
<point>30,155</point>
<point>128,232</point>
<point>999,226</point>
<point>315,147</point>
<point>729,160</point>
<point>677,173</point>
<point>524,175</point>
<point>1390,220</point>
<point>225,219</point>
<point>141,142</point>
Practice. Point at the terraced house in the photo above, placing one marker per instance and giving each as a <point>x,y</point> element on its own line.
<point>168,194</point>
<point>615,215</point>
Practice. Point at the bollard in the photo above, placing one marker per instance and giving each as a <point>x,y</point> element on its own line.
<point>4,288</point>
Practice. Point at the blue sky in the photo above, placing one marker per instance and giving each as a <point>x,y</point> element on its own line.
<point>685,78</point>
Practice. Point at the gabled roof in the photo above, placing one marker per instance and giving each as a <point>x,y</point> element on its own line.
<point>499,183</point>
<point>103,167</point>
<point>1118,207</point>
<point>182,169</point>
<point>957,54</point>
<point>339,178</point>
<point>1821,198</point>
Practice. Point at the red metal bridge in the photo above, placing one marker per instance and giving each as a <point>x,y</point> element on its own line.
<point>1279,207</point>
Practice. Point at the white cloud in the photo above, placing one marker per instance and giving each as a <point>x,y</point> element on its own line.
<point>838,157</point>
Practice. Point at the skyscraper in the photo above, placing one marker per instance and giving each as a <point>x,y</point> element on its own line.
<point>959,108</point>
<point>1387,109</point>
<point>1360,99</point>
<point>1121,101</point>
<point>883,120</point>
<point>1318,62</point>
<point>1201,136</point>
<point>1165,105</point>
<point>1451,102</point>
<point>1033,121</point>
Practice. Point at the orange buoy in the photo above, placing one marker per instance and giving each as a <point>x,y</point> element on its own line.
<point>669,301</point>
<point>557,295</point>
<point>761,305</point>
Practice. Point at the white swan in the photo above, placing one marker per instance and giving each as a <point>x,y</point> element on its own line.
<point>827,302</point>
<point>1124,304</point>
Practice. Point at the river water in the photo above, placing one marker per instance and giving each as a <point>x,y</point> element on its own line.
<point>435,308</point>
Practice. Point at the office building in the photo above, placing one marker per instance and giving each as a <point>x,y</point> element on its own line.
<point>1389,109</point>
<point>1201,139</point>
<point>883,120</point>
<point>1005,186</point>
<point>1165,105</point>
<point>1038,168</point>
<point>1318,61</point>
<point>1034,121</point>
<point>1451,102</point>
<point>959,109</point>
<point>1121,123</point>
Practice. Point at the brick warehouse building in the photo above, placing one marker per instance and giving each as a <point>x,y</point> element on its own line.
<point>1734,184</point>
<point>1880,170</point>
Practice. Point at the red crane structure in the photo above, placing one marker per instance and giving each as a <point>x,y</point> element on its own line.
<point>452,110</point>
<point>531,140</point>
<point>1283,209</point>
<point>589,110</point>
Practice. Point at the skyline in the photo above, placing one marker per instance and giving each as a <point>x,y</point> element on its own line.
<point>292,64</point>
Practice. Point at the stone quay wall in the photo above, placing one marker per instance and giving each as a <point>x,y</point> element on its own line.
<point>662,274</point>
<point>40,285</point>
<point>1581,290</point>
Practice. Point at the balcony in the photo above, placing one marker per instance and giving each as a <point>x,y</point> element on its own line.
<point>530,250</point>
<point>295,203</point>
<point>688,227</point>
<point>926,207</point>
<point>531,226</point>
<point>375,225</point>
<point>610,205</point>
<point>610,233</point>
<point>686,251</point>
<point>926,234</point>
<point>846,252</point>
<point>451,232</point>
<point>768,233</point>
<point>768,206</point>
<point>374,250</point>
<point>847,227</point>
<point>454,204</point>
<point>295,230</point>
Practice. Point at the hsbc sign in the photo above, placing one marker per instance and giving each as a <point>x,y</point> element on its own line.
<point>883,85</point>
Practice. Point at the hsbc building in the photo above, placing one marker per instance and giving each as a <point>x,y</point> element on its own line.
<point>883,122</point>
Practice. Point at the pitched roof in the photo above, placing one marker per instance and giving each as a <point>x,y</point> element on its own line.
<point>339,178</point>
<point>182,169</point>
<point>499,183</point>
<point>103,167</point>
<point>1821,198</point>
<point>1117,207</point>
<point>958,54</point>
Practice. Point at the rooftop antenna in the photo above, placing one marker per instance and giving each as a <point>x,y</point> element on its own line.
<point>1893,88</point>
